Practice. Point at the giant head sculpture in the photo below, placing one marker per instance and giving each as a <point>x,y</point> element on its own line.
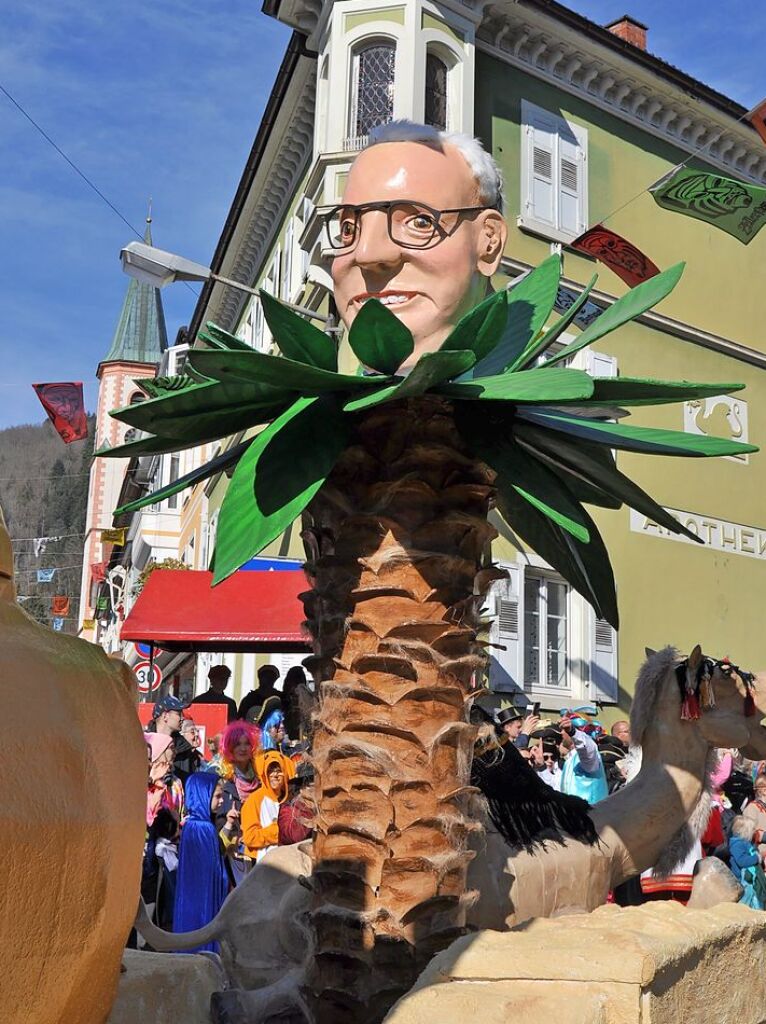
<point>420,228</point>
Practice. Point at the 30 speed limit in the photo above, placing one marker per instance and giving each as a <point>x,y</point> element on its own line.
<point>149,676</point>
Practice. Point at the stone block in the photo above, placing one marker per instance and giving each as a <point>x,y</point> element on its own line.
<point>661,963</point>
<point>166,988</point>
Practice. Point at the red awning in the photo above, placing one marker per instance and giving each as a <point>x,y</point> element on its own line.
<point>253,610</point>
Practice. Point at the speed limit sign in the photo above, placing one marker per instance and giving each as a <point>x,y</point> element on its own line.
<point>149,676</point>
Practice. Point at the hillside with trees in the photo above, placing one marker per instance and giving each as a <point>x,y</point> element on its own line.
<point>44,494</point>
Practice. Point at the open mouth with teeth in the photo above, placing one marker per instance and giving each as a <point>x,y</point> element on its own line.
<point>385,298</point>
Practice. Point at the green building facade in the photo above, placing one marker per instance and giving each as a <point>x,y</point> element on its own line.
<point>581,122</point>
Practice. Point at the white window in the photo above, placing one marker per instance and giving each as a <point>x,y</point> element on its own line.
<point>286,284</point>
<point>546,641</point>
<point>372,90</point>
<point>270,284</point>
<point>174,462</point>
<point>554,174</point>
<point>546,662</point>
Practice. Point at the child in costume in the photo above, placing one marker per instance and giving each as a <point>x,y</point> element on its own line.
<point>202,881</point>
<point>260,812</point>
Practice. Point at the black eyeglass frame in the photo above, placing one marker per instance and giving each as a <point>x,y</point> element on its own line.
<point>438,231</point>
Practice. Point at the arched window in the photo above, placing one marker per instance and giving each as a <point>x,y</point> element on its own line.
<point>436,92</point>
<point>373,96</point>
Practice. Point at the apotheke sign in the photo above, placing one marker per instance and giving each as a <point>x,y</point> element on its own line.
<point>718,535</point>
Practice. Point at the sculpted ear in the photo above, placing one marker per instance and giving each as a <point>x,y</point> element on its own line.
<point>650,652</point>
<point>491,242</point>
<point>695,658</point>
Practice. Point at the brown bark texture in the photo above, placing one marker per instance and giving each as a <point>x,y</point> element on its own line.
<point>396,544</point>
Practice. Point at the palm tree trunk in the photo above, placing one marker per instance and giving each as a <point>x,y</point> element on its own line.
<point>395,544</point>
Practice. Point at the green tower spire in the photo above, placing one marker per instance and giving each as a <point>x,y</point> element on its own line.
<point>140,336</point>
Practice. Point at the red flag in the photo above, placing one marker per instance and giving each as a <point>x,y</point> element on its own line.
<point>60,605</point>
<point>98,571</point>
<point>617,253</point>
<point>64,404</point>
<point>757,118</point>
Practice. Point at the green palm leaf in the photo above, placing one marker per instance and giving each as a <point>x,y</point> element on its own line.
<point>638,391</point>
<point>379,339</point>
<point>651,440</point>
<point>157,387</point>
<point>534,482</point>
<point>582,460</point>
<point>527,386</point>
<point>481,328</point>
<point>211,409</point>
<point>585,566</point>
<point>298,339</point>
<point>632,304</point>
<point>220,339</point>
<point>216,465</point>
<point>260,369</point>
<point>529,304</point>
<point>276,478</point>
<point>538,346</point>
<point>431,369</point>
<point>150,445</point>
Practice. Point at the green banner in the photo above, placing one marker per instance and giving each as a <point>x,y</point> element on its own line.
<point>733,206</point>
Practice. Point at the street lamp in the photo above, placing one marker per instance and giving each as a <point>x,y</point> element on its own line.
<point>157,267</point>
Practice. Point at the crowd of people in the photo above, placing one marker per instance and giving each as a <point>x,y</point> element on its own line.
<point>209,820</point>
<point>576,755</point>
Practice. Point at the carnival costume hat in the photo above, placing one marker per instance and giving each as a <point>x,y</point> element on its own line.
<point>511,714</point>
<point>526,811</point>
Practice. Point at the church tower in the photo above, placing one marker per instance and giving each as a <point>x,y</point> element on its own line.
<point>136,350</point>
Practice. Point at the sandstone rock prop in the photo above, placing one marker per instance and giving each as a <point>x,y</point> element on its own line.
<point>72,818</point>
<point>165,987</point>
<point>660,963</point>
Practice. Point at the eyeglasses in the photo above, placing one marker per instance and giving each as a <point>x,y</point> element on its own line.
<point>412,225</point>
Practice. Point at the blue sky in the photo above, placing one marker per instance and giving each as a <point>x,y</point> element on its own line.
<point>164,100</point>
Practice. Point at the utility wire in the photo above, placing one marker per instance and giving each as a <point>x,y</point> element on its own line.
<point>77,170</point>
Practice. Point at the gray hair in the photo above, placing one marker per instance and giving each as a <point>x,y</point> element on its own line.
<point>187,724</point>
<point>489,178</point>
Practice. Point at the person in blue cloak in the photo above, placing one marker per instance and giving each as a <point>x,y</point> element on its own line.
<point>202,881</point>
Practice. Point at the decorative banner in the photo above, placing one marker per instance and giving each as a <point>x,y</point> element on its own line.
<point>58,625</point>
<point>45,575</point>
<point>116,536</point>
<point>65,407</point>
<point>757,118</point>
<point>98,571</point>
<point>733,206</point>
<point>88,623</point>
<point>617,253</point>
<point>102,604</point>
<point>565,297</point>
<point>60,605</point>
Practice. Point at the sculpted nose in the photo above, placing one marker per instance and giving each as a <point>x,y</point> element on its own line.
<point>375,247</point>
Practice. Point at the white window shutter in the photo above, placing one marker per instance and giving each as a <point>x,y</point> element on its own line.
<point>541,170</point>
<point>603,661</point>
<point>506,605</point>
<point>570,184</point>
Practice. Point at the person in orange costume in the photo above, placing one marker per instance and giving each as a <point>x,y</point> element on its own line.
<point>260,811</point>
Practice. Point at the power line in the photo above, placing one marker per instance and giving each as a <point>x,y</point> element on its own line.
<point>77,170</point>
<point>71,163</point>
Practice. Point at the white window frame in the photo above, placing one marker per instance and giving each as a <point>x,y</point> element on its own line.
<point>541,685</point>
<point>354,141</point>
<point>562,131</point>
